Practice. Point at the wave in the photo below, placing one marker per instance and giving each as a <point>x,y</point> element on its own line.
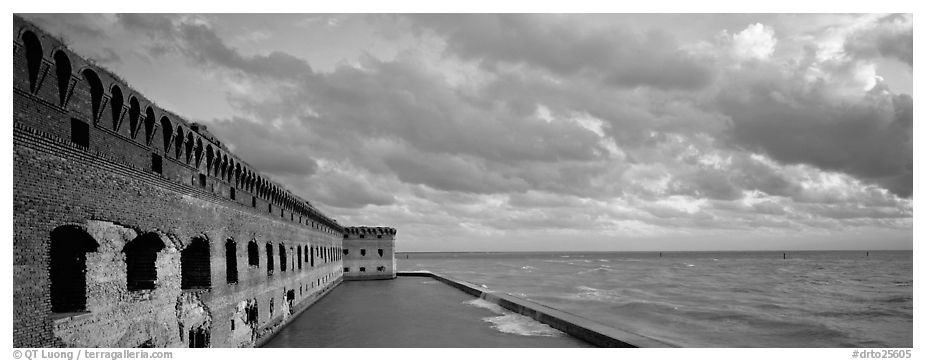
<point>595,270</point>
<point>510,322</point>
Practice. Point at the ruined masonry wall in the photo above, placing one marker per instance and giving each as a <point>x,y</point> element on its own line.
<point>111,190</point>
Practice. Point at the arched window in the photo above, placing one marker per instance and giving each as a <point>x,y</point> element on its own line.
<point>116,106</point>
<point>96,91</point>
<point>134,114</point>
<point>33,58</point>
<point>269,259</point>
<point>299,256</point>
<point>224,167</point>
<point>363,252</point>
<point>231,261</point>
<point>63,73</point>
<point>380,251</point>
<point>140,258</point>
<point>167,130</point>
<point>253,256</point>
<point>149,125</point>
<point>195,268</point>
<point>312,255</point>
<point>282,257</point>
<point>178,142</point>
<point>68,268</point>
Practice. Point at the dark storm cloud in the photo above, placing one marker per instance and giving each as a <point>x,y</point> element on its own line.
<point>892,37</point>
<point>870,138</point>
<point>274,152</point>
<point>619,56</point>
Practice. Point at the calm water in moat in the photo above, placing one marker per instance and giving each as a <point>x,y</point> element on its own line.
<point>710,299</point>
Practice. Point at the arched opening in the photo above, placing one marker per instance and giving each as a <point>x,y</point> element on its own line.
<point>141,256</point>
<point>68,268</point>
<point>96,91</point>
<point>189,146</point>
<point>149,125</point>
<point>134,113</point>
<point>380,251</point>
<point>269,259</point>
<point>209,157</point>
<point>253,256</point>
<point>33,58</point>
<point>363,252</point>
<point>195,268</point>
<point>312,256</point>
<point>231,261</point>
<point>199,151</point>
<point>299,256</point>
<point>115,105</point>
<point>167,130</point>
<point>178,142</point>
<point>282,257</point>
<point>63,73</point>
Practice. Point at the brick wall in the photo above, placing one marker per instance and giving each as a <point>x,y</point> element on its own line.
<point>108,190</point>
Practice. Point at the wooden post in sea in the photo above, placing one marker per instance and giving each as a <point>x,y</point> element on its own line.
<point>784,256</point>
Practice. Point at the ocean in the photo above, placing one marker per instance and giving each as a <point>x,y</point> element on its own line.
<point>709,299</point>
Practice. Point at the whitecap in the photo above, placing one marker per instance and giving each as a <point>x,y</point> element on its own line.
<point>510,322</point>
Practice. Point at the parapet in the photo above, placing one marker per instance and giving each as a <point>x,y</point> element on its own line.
<point>363,231</point>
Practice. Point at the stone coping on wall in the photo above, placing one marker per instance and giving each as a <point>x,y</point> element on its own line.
<point>574,325</point>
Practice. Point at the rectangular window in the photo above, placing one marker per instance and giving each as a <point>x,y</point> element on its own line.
<point>80,133</point>
<point>346,269</point>
<point>363,269</point>
<point>156,163</point>
<point>269,207</point>
<point>231,193</point>
<point>202,180</point>
<point>253,202</point>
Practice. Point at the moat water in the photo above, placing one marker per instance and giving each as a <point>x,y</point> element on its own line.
<point>709,299</point>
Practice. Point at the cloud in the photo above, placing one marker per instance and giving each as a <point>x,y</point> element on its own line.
<point>619,56</point>
<point>889,36</point>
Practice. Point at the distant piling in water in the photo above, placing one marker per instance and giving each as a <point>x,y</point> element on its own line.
<point>660,254</point>
<point>866,253</point>
<point>784,256</point>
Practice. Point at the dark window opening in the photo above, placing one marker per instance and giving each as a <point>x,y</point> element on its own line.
<point>253,202</point>
<point>156,163</point>
<point>202,180</point>
<point>69,247</point>
<point>140,258</point>
<point>282,257</point>
<point>346,269</point>
<point>271,307</point>
<point>33,58</point>
<point>362,236</point>
<point>269,260</point>
<point>346,251</point>
<point>231,261</point>
<point>195,268</point>
<point>80,133</point>
<point>363,252</point>
<point>380,251</point>
<point>253,257</point>
<point>269,208</point>
<point>251,311</point>
<point>290,297</point>
<point>199,338</point>
<point>363,269</point>
<point>379,236</point>
<point>381,268</point>
<point>231,193</point>
<point>63,73</point>
<point>232,325</point>
<point>299,256</point>
<point>312,255</point>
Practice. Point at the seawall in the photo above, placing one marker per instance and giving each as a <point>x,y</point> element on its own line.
<point>577,326</point>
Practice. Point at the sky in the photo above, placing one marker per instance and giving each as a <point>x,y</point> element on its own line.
<point>551,132</point>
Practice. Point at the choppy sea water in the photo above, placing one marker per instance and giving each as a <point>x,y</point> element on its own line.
<point>710,299</point>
